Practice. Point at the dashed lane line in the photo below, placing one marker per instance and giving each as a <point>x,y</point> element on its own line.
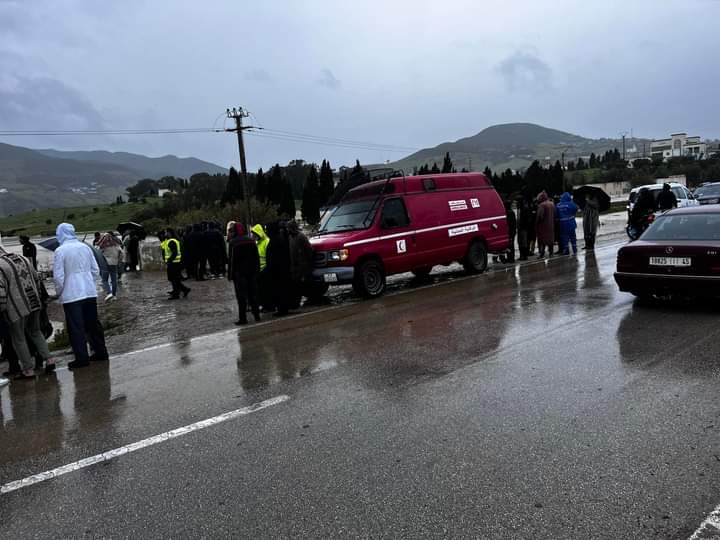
<point>134,447</point>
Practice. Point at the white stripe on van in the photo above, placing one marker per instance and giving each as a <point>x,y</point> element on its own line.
<point>419,231</point>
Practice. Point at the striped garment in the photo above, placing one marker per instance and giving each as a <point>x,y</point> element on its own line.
<point>19,287</point>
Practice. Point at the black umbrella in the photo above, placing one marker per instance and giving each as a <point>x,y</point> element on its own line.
<point>581,193</point>
<point>51,243</point>
<point>131,227</point>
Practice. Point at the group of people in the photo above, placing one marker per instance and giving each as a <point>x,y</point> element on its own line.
<point>24,325</point>
<point>542,222</point>
<point>270,266</point>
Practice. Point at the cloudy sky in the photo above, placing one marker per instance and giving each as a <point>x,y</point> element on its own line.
<point>400,73</point>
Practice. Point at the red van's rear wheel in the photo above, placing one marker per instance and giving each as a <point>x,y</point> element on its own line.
<point>476,260</point>
<point>369,279</point>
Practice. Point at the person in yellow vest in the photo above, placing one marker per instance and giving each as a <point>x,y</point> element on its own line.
<point>172,255</point>
<point>264,281</point>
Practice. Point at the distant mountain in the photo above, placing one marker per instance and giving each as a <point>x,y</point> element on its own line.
<point>41,179</point>
<point>513,146</point>
<point>146,167</point>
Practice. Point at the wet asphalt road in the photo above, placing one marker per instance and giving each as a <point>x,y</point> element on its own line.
<point>533,403</point>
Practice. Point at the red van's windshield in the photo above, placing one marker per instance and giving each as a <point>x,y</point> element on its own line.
<point>351,215</point>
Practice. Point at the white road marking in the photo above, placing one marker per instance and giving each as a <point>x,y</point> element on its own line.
<point>710,528</point>
<point>111,454</point>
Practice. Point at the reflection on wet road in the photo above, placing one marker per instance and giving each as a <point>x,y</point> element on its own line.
<point>532,402</point>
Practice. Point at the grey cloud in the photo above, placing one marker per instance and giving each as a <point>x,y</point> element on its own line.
<point>258,75</point>
<point>328,79</point>
<point>525,71</point>
<point>44,102</point>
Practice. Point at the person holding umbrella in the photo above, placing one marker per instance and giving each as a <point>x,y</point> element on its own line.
<point>591,220</point>
<point>591,200</point>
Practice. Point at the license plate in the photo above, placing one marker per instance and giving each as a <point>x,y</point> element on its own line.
<point>330,278</point>
<point>670,261</point>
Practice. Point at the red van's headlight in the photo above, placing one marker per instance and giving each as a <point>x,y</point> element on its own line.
<point>339,255</point>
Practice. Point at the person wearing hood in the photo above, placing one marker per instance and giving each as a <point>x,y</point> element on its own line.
<point>278,268</point>
<point>301,263</point>
<point>20,305</point>
<point>75,271</point>
<point>545,225</point>
<point>243,270</point>
<point>29,250</point>
<point>566,210</point>
<point>264,282</point>
<point>112,251</point>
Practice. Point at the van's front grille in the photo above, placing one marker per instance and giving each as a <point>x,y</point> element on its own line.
<point>320,259</point>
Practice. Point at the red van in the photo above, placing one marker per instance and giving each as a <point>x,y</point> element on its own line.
<point>408,224</point>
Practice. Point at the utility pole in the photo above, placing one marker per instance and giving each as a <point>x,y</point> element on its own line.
<point>623,134</point>
<point>238,114</point>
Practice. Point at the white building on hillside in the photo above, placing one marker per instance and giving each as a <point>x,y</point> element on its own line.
<point>678,145</point>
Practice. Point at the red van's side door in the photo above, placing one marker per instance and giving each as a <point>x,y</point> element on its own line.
<point>396,246</point>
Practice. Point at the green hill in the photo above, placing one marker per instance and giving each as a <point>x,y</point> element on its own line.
<point>51,179</point>
<point>143,166</point>
<point>513,146</point>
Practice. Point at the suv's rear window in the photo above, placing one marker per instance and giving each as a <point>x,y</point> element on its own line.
<point>684,227</point>
<point>705,191</point>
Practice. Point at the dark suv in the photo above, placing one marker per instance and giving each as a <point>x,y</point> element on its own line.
<point>708,193</point>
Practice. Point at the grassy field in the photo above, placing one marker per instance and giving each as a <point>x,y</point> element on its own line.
<point>85,218</point>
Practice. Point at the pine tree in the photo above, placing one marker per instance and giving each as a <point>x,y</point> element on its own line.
<point>233,188</point>
<point>435,169</point>
<point>447,163</point>
<point>260,186</point>
<point>311,198</point>
<point>327,183</point>
<point>487,172</point>
<point>593,161</point>
<point>287,201</point>
<point>275,186</point>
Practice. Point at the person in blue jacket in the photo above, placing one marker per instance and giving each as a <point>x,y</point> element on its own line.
<point>566,210</point>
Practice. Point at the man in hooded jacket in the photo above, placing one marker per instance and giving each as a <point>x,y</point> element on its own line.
<point>75,272</point>
<point>545,225</point>
<point>566,210</point>
<point>243,270</point>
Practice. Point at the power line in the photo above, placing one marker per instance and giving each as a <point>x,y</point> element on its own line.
<point>335,139</point>
<point>377,148</point>
<point>269,133</point>
<point>108,132</point>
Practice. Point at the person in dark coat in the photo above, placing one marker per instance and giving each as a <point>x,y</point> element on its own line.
<point>301,263</point>
<point>509,256</point>
<point>525,227</point>
<point>243,270</point>
<point>133,252</point>
<point>667,199</point>
<point>644,205</point>
<point>278,267</point>
<point>217,256</point>
<point>192,246</point>
<point>29,250</point>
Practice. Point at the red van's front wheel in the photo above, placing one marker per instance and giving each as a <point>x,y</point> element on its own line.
<point>369,280</point>
<point>476,260</point>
